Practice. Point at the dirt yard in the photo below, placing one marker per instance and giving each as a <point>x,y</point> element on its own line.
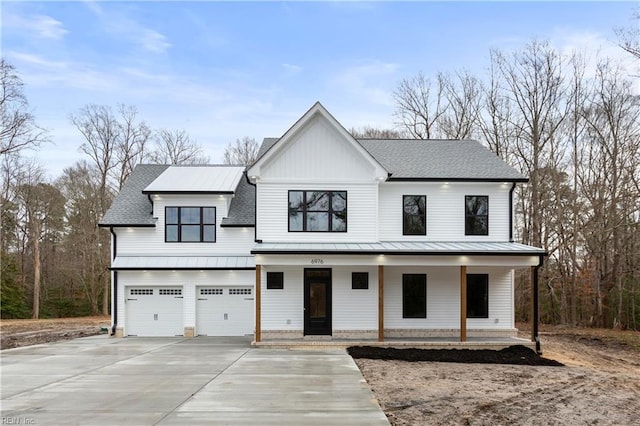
<point>599,384</point>
<point>25,332</point>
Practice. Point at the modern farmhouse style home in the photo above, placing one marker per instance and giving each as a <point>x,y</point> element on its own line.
<point>324,237</point>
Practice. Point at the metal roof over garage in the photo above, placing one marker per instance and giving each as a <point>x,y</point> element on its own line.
<point>196,179</point>
<point>402,248</point>
<point>137,263</point>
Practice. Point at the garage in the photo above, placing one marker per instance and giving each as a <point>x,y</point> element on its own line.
<point>154,311</point>
<point>224,311</point>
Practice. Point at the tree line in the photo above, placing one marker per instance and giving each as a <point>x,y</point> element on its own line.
<point>53,255</point>
<point>572,128</point>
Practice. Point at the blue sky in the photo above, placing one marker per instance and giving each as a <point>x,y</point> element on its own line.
<point>224,70</point>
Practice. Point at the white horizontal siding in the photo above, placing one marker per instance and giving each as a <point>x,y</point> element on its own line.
<point>445,210</point>
<point>273,213</point>
<point>501,314</point>
<point>443,299</point>
<point>188,280</point>
<point>151,241</point>
<point>283,309</point>
<point>350,309</point>
<point>316,152</point>
<point>354,309</point>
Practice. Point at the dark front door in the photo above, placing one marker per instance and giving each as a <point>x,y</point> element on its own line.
<point>317,301</point>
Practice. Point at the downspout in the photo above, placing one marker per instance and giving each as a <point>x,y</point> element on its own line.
<point>114,295</point>
<point>255,208</point>
<point>513,187</point>
<point>534,320</point>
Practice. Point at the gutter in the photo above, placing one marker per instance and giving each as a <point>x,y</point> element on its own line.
<point>114,296</point>
<point>513,187</point>
<point>534,320</point>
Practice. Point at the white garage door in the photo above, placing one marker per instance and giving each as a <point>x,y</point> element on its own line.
<point>224,311</point>
<point>154,311</point>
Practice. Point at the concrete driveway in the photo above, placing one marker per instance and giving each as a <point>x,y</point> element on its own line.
<point>145,381</point>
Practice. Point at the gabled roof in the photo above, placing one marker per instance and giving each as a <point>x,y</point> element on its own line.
<point>131,207</point>
<point>271,147</point>
<point>433,159</point>
<point>219,179</point>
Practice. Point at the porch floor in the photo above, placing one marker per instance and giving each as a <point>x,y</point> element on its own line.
<point>327,342</point>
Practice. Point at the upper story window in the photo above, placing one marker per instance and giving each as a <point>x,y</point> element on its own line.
<point>414,215</point>
<point>190,224</point>
<point>317,211</point>
<point>476,216</point>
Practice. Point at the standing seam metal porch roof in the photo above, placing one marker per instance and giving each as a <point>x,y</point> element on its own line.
<point>402,248</point>
<point>183,262</point>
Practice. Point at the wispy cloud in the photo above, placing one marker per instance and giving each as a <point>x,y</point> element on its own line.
<point>291,69</point>
<point>372,81</point>
<point>119,22</point>
<point>38,26</point>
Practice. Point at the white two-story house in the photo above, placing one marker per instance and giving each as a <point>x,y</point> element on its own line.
<point>323,237</point>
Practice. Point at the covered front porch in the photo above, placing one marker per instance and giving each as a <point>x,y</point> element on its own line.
<point>380,316</point>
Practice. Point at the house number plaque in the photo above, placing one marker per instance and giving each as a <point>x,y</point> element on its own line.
<point>317,261</point>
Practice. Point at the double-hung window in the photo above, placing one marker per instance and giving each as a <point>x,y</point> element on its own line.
<point>476,215</point>
<point>317,211</point>
<point>414,215</point>
<point>190,224</point>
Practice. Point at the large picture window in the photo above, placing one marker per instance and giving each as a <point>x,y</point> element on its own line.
<point>414,215</point>
<point>476,216</point>
<point>317,211</point>
<point>190,224</point>
<point>477,296</point>
<point>414,296</point>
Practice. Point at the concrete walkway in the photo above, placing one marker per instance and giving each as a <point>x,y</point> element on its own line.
<point>165,381</point>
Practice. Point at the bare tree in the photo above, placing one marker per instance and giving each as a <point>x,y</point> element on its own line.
<point>176,147</point>
<point>242,152</point>
<point>629,37</point>
<point>101,131</point>
<point>420,103</point>
<point>42,206</point>
<point>18,129</point>
<point>130,148</point>
<point>463,95</point>
<point>534,84</point>
<point>613,119</point>
<point>368,132</point>
<point>87,246</point>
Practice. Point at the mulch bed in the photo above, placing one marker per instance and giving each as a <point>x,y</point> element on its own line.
<point>518,355</point>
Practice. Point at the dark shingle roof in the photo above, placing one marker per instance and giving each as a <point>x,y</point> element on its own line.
<point>440,160</point>
<point>131,207</point>
<point>266,144</point>
<point>242,211</point>
<point>437,159</point>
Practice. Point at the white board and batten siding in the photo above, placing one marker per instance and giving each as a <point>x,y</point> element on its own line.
<point>445,210</point>
<point>318,152</point>
<point>151,241</point>
<point>318,158</point>
<point>187,281</point>
<point>443,299</point>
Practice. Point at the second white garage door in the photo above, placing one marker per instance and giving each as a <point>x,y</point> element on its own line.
<point>224,311</point>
